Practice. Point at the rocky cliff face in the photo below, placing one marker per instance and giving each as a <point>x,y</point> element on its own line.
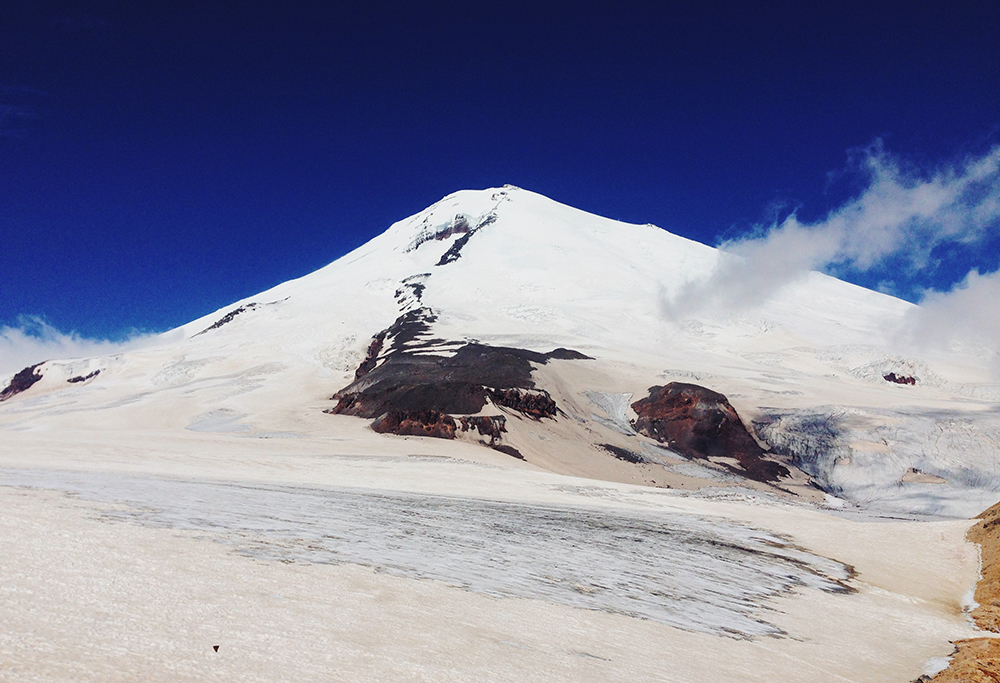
<point>700,423</point>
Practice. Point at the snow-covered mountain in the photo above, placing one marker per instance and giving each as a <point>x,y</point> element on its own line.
<point>816,372</point>
<point>352,474</point>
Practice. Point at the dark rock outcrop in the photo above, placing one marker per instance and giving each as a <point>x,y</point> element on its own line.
<point>411,379</point>
<point>22,381</point>
<point>459,226</point>
<point>454,252</point>
<point>493,426</point>
<point>227,318</point>
<point>899,379</point>
<point>700,423</point>
<point>623,453</point>
<point>508,450</point>
<point>374,349</point>
<point>566,354</point>
<point>416,423</point>
<point>409,387</point>
<point>535,405</point>
<point>83,378</point>
<point>413,391</point>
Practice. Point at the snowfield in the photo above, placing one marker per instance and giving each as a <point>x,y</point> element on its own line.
<point>196,493</point>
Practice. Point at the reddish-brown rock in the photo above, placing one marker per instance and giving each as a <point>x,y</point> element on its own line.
<point>416,423</point>
<point>700,423</point>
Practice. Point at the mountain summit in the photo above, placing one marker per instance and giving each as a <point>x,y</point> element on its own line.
<point>532,334</point>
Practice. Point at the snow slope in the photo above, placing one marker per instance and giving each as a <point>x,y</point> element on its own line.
<point>218,433</point>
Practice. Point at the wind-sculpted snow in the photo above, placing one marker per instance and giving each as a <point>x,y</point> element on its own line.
<point>691,572</point>
<point>862,455</point>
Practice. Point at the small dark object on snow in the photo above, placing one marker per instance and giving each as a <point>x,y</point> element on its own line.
<point>899,379</point>
<point>215,647</point>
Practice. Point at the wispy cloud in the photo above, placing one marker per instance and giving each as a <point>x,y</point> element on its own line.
<point>901,216</point>
<point>33,340</point>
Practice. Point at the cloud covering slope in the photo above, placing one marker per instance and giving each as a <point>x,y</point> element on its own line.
<point>900,217</point>
<point>33,340</point>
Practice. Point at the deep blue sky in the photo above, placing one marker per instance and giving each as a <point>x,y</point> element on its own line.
<point>159,160</point>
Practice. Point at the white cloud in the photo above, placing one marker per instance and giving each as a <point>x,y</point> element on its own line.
<point>902,214</point>
<point>969,312</point>
<point>33,340</point>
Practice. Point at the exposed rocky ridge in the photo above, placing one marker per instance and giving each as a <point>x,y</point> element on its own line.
<point>416,423</point>
<point>408,386</point>
<point>371,358</point>
<point>454,251</point>
<point>700,423</point>
<point>83,378</point>
<point>22,381</point>
<point>229,317</point>
<point>459,225</point>
<point>535,405</point>
<point>460,383</point>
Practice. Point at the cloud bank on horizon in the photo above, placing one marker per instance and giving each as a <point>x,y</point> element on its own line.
<point>34,340</point>
<point>902,215</point>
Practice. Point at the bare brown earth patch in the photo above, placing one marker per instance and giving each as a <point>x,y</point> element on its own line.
<point>700,423</point>
<point>976,660</point>
<point>915,476</point>
<point>986,532</point>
